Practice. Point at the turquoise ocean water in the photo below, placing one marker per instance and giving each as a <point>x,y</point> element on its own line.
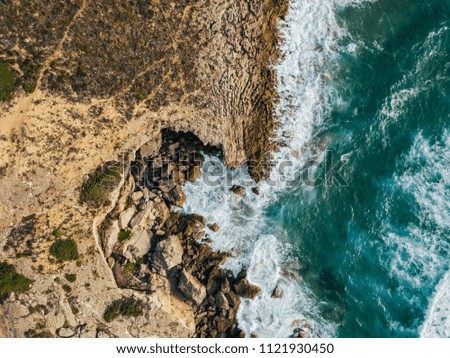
<point>365,95</point>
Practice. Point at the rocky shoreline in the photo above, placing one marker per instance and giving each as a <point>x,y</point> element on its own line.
<point>150,247</point>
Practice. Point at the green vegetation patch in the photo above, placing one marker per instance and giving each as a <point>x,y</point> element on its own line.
<point>11,281</point>
<point>124,235</point>
<point>65,250</point>
<point>95,191</point>
<point>127,307</point>
<point>6,82</point>
<point>71,277</point>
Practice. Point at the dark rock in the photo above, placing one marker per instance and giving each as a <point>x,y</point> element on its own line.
<point>213,227</point>
<point>256,190</point>
<point>239,190</point>
<point>245,289</point>
<point>277,293</point>
<point>169,252</point>
<point>175,196</point>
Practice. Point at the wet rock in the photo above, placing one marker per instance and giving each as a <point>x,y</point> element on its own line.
<point>221,301</point>
<point>245,289</point>
<point>125,217</point>
<point>191,287</point>
<point>169,252</point>
<point>151,148</point>
<point>238,190</point>
<point>256,190</point>
<point>175,196</point>
<point>277,293</point>
<point>213,227</point>
<point>192,223</point>
<point>194,173</point>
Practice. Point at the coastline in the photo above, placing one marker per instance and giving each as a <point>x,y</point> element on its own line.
<point>59,134</point>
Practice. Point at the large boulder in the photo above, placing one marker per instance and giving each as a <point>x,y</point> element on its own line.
<point>245,289</point>
<point>139,243</point>
<point>151,148</point>
<point>175,196</point>
<point>144,217</point>
<point>125,217</point>
<point>191,287</point>
<point>110,237</point>
<point>169,252</point>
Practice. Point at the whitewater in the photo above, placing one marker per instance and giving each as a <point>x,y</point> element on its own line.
<point>411,258</point>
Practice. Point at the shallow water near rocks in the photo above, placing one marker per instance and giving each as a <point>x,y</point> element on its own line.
<point>358,244</point>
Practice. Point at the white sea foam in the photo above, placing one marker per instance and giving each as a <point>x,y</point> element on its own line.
<point>311,33</point>
<point>437,320</point>
<point>420,251</point>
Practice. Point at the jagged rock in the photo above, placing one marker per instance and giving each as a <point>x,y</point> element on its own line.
<point>213,227</point>
<point>277,293</point>
<point>126,216</point>
<point>238,190</point>
<point>221,301</point>
<point>245,289</point>
<point>225,286</point>
<point>136,196</point>
<point>110,237</point>
<point>169,252</point>
<point>194,173</point>
<point>191,287</point>
<point>256,190</point>
<point>144,215</point>
<point>192,223</point>
<point>175,196</point>
<point>151,148</point>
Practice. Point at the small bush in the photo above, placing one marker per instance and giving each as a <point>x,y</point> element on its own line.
<point>95,191</point>
<point>11,281</point>
<point>127,307</point>
<point>123,235</point>
<point>6,82</point>
<point>65,250</point>
<point>71,277</point>
<point>57,233</point>
<point>31,333</point>
<point>67,288</point>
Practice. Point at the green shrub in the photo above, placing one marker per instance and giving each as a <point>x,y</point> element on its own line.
<point>6,82</point>
<point>71,277</point>
<point>31,333</point>
<point>123,235</point>
<point>11,281</point>
<point>67,288</point>
<point>57,233</point>
<point>127,307</point>
<point>95,191</point>
<point>64,250</point>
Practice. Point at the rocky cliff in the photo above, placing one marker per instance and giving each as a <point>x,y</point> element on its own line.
<point>84,83</point>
